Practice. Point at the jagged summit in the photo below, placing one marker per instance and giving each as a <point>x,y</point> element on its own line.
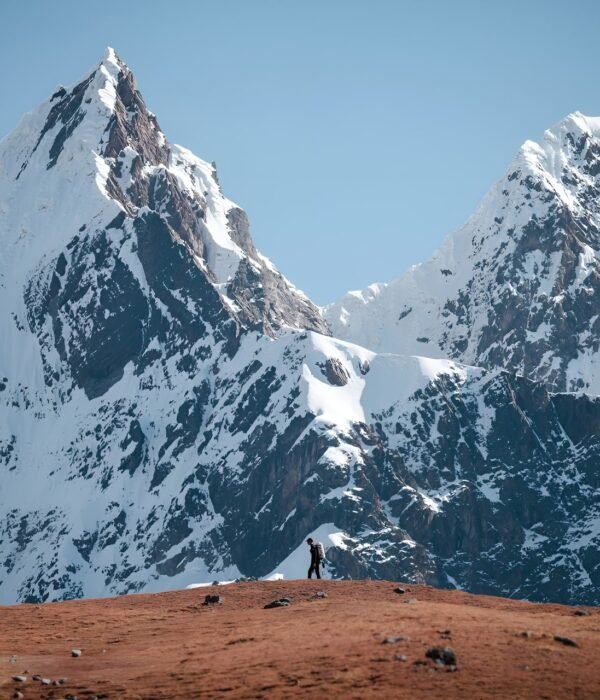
<point>94,152</point>
<point>518,286</point>
<point>110,56</point>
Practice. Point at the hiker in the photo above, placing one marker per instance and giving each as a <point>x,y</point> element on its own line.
<point>315,558</point>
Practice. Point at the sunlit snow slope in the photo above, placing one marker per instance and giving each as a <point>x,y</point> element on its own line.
<point>518,287</point>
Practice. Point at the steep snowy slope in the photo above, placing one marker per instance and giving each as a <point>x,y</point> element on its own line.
<point>92,163</point>
<point>172,409</point>
<point>518,287</point>
<point>173,477</point>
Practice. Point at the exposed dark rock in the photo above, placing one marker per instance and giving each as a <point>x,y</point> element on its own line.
<point>213,600</point>
<point>335,372</point>
<point>280,603</point>
<point>442,655</point>
<point>263,295</point>
<point>565,640</point>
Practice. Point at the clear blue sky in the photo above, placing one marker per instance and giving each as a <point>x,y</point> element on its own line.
<point>356,134</point>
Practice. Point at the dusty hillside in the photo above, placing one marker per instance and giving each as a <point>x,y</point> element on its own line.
<point>360,640</point>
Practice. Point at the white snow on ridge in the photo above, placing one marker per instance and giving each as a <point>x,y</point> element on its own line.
<point>415,314</point>
<point>223,255</point>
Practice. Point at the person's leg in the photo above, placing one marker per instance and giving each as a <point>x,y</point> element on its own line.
<point>318,564</point>
<point>310,570</point>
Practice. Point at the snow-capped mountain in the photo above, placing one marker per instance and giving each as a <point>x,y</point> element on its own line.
<point>518,287</point>
<point>173,410</point>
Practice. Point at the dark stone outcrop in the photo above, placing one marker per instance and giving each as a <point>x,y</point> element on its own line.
<point>335,372</point>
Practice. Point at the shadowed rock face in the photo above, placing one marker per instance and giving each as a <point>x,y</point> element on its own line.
<point>164,385</point>
<point>476,481</point>
<point>335,372</point>
<point>262,293</point>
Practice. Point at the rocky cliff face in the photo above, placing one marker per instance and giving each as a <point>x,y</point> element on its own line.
<point>172,410</point>
<point>518,287</point>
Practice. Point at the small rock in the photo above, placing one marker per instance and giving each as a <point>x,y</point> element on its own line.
<point>394,640</point>
<point>527,634</point>
<point>76,653</point>
<point>399,590</point>
<point>442,655</point>
<point>20,679</point>
<point>445,634</point>
<point>56,683</point>
<point>45,681</point>
<point>335,372</point>
<point>36,677</point>
<point>582,613</point>
<point>213,600</point>
<point>400,657</point>
<point>18,695</point>
<point>281,603</point>
<point>320,594</point>
<point>68,696</point>
<point>12,660</point>
<point>565,640</point>
<point>410,600</point>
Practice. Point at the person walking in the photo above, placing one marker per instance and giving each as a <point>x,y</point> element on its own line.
<point>315,558</point>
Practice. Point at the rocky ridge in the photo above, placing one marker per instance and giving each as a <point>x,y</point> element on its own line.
<point>518,286</point>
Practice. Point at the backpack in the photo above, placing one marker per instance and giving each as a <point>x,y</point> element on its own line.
<point>320,550</point>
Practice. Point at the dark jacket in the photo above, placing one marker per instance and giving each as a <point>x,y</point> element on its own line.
<point>314,554</point>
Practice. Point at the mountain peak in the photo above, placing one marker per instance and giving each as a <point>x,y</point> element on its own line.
<point>517,286</point>
<point>93,158</point>
<point>577,122</point>
<point>110,56</point>
<point>111,65</point>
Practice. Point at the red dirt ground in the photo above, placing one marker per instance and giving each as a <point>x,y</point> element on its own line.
<point>169,645</point>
